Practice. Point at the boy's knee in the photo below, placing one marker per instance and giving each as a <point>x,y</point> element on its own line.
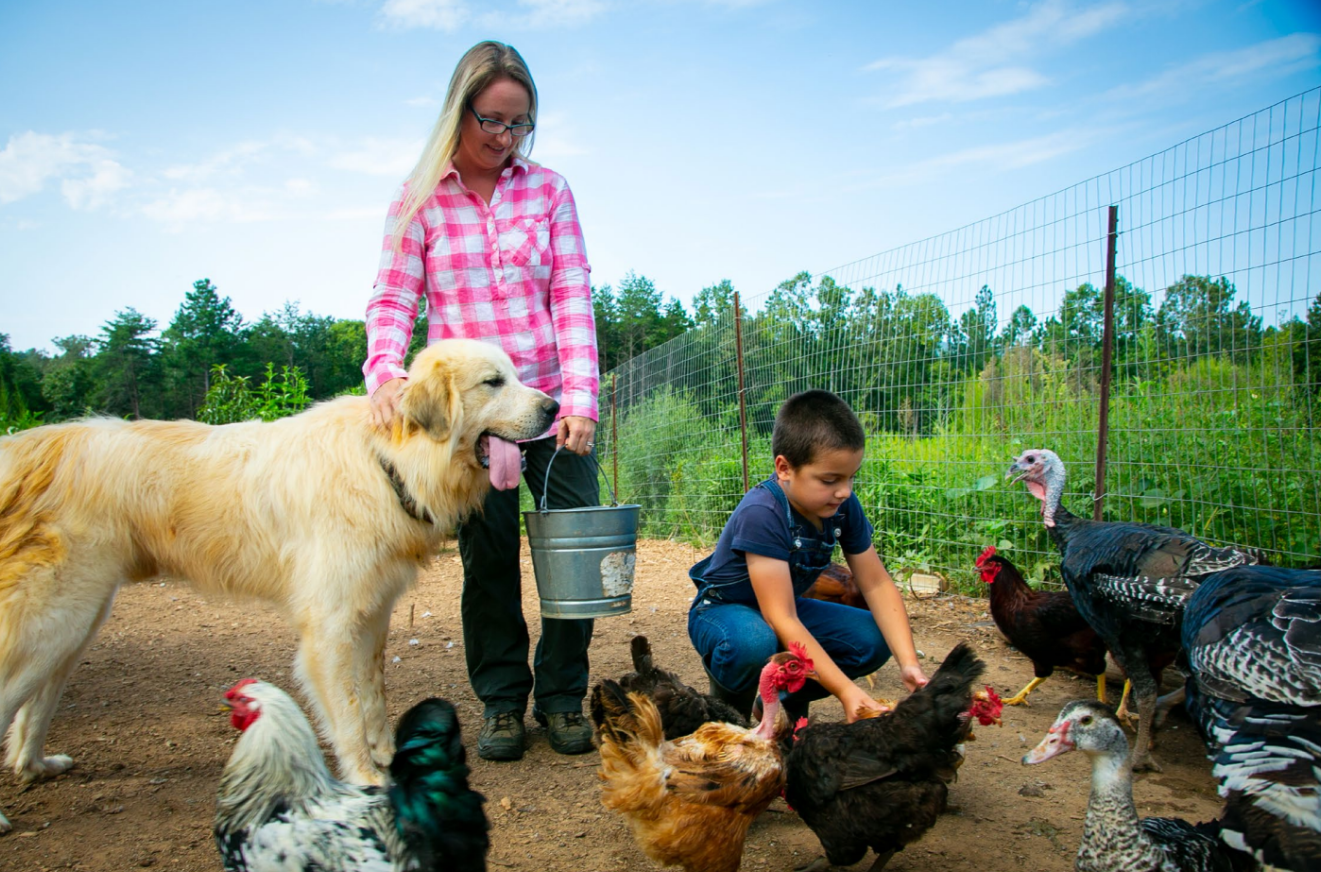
<point>737,666</point>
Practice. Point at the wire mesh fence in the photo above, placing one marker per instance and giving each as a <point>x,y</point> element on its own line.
<point>960,351</point>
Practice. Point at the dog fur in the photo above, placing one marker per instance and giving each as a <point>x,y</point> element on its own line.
<point>301,513</point>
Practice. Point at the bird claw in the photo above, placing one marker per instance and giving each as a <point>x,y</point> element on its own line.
<point>1146,763</point>
<point>1020,699</point>
<point>820,864</point>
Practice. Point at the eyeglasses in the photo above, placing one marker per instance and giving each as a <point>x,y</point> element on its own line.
<point>495,128</point>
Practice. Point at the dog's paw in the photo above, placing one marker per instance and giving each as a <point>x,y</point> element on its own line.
<point>46,767</point>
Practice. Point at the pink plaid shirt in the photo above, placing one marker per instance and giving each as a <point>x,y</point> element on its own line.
<point>513,273</point>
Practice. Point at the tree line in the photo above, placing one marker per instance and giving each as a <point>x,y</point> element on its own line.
<point>210,353</point>
<point>907,359</point>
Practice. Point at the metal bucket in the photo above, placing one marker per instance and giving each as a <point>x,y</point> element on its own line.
<point>583,558</point>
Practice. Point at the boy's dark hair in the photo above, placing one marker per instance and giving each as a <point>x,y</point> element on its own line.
<point>815,421</point>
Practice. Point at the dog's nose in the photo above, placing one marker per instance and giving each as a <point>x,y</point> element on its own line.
<point>550,407</point>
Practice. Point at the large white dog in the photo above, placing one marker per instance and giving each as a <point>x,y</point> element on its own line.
<point>321,514</point>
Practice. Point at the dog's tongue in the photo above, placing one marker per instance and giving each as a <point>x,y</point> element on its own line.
<point>505,461</point>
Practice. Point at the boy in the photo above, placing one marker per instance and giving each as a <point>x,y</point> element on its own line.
<point>749,600</point>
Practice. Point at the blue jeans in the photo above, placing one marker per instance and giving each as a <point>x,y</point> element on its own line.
<point>735,642</point>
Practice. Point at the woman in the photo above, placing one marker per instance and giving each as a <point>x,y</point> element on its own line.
<point>493,241</point>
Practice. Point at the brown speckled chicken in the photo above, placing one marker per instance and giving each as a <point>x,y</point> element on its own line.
<point>690,801</point>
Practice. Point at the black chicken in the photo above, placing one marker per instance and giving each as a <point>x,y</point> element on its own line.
<point>1252,638</point>
<point>882,782</point>
<point>280,810</point>
<point>1044,625</point>
<point>682,708</point>
<point>1130,582</point>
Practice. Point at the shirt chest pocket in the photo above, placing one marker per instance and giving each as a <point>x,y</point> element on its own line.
<point>525,242</point>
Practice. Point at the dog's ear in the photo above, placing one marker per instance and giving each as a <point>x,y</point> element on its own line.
<point>429,402</point>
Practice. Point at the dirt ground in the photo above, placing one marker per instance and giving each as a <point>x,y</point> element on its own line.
<point>142,719</point>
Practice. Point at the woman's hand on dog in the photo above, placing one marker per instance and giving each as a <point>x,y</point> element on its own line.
<point>385,402</point>
<point>574,433</point>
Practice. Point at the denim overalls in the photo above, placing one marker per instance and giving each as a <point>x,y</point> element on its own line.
<point>809,551</point>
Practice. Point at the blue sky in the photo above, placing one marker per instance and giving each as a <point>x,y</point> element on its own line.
<point>146,145</point>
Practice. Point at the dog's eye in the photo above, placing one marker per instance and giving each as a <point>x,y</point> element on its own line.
<point>495,381</point>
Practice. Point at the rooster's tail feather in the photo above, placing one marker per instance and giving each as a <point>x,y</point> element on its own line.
<point>941,707</point>
<point>642,662</point>
<point>627,719</point>
<point>439,816</point>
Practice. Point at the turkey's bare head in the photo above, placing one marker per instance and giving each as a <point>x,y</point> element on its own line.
<point>1042,472</point>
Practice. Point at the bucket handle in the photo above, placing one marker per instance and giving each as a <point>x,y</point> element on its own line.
<point>591,456</point>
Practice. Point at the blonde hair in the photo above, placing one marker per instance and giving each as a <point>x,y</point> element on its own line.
<point>481,65</point>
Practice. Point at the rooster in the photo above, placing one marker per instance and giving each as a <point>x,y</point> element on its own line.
<point>690,801</point>
<point>280,810</point>
<point>682,708</point>
<point>1130,581</point>
<point>881,782</point>
<point>1044,625</point>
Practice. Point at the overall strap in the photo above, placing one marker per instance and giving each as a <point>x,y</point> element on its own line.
<point>778,492</point>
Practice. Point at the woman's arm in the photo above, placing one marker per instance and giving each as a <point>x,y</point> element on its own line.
<point>887,607</point>
<point>571,310</point>
<point>392,308</point>
<point>775,597</point>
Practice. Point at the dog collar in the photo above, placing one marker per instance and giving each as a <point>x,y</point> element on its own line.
<point>401,491</point>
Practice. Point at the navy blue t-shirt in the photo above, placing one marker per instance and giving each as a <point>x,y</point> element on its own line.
<point>761,526</point>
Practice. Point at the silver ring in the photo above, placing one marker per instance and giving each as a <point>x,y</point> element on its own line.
<point>591,444</point>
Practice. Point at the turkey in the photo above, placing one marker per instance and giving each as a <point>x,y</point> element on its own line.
<point>1252,640</point>
<point>1130,582</point>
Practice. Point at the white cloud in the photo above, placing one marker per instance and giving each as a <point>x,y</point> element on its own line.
<point>446,15</point>
<point>1275,57</point>
<point>88,172</point>
<point>974,68</point>
<point>452,15</point>
<point>233,160</point>
<point>189,206</point>
<point>380,157</point>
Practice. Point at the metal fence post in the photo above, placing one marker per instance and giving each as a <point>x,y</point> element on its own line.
<point>1107,364</point>
<point>614,426</point>
<point>742,398</point>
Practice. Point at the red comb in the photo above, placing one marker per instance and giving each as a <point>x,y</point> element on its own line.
<point>985,555</point>
<point>236,689</point>
<point>799,650</point>
<point>798,725</point>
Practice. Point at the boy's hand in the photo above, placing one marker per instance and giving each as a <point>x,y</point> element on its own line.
<point>857,705</point>
<point>912,677</point>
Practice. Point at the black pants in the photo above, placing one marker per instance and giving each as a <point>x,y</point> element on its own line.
<point>495,635</point>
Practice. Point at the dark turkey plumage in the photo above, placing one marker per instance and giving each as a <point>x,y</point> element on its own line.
<point>1252,637</point>
<point>1130,582</point>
